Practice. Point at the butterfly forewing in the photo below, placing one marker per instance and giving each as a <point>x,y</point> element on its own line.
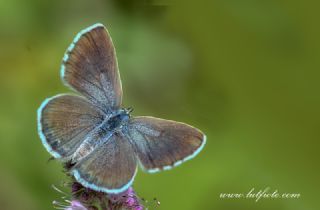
<point>64,121</point>
<point>161,144</point>
<point>90,67</point>
<point>110,168</point>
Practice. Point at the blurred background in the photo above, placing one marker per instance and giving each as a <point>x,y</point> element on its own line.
<point>245,72</point>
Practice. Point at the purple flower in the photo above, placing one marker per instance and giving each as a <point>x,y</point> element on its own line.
<point>83,198</point>
<point>127,200</point>
<point>76,205</point>
<point>131,200</point>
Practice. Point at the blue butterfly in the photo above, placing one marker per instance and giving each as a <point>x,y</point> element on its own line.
<point>101,139</point>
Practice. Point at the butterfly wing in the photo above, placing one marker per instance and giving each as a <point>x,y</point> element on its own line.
<point>162,144</point>
<point>110,168</point>
<point>63,123</point>
<point>90,67</point>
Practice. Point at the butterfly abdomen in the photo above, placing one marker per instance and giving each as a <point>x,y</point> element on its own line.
<point>85,149</point>
<point>100,135</point>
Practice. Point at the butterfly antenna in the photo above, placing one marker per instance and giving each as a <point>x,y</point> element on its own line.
<point>129,110</point>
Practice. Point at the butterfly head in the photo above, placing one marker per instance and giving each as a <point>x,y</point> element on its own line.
<point>124,114</point>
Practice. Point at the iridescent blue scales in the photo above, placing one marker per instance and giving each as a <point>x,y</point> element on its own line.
<point>102,140</point>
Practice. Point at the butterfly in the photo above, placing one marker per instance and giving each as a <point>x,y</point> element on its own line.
<point>91,129</point>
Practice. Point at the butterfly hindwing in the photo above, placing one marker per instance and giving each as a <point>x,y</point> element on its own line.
<point>63,123</point>
<point>110,168</point>
<point>162,144</point>
<point>90,67</point>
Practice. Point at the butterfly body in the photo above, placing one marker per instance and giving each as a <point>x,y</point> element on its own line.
<point>113,124</point>
<point>102,140</point>
<point>117,121</point>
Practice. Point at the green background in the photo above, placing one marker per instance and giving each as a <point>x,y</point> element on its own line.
<point>245,72</point>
